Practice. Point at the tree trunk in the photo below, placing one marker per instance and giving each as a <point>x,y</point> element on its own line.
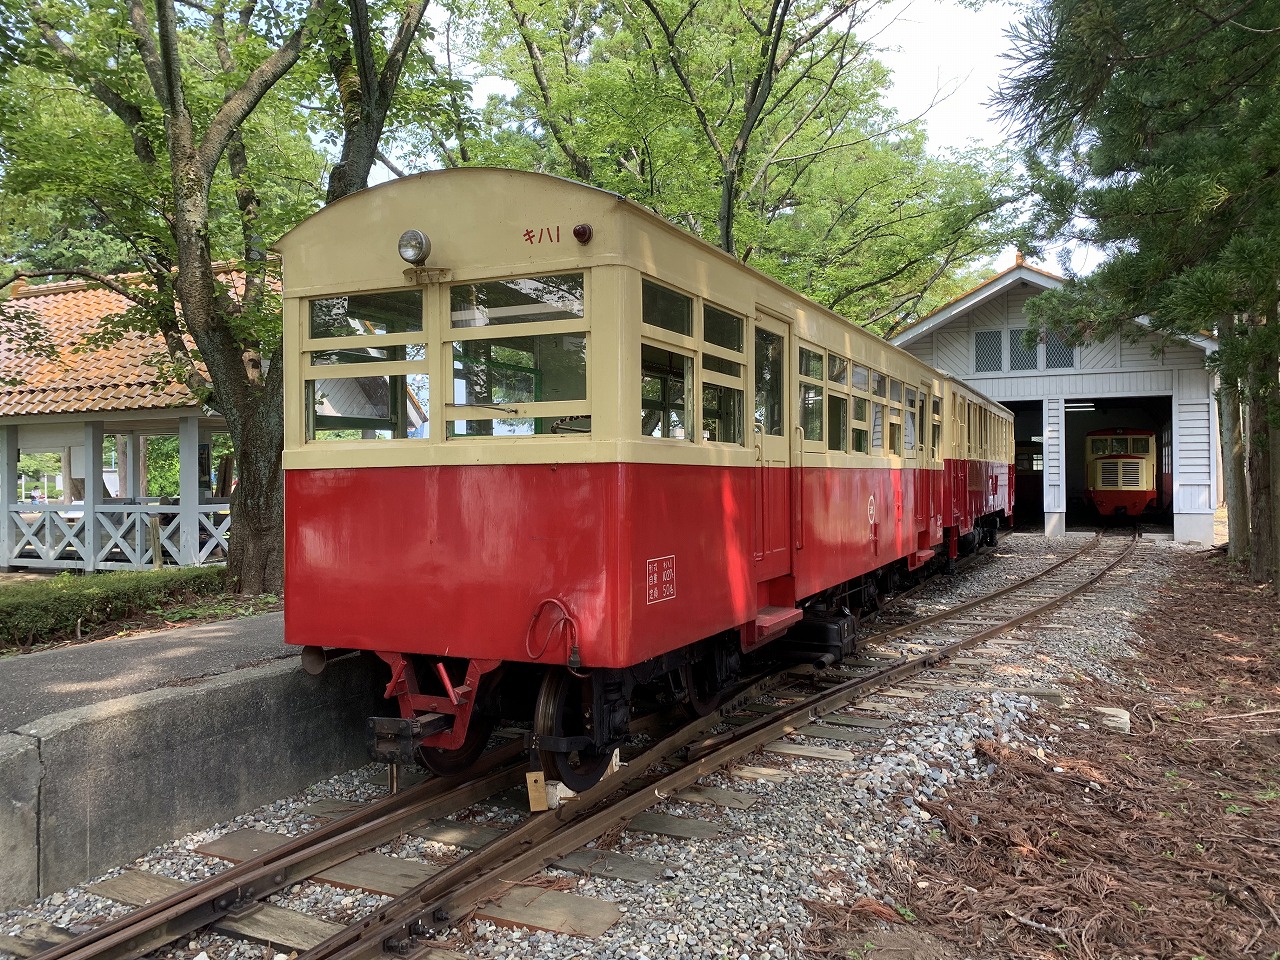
<point>1235,490</point>
<point>256,561</point>
<point>1262,381</point>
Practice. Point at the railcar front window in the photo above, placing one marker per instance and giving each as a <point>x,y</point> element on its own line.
<point>368,408</point>
<point>521,300</point>
<point>397,311</point>
<point>1141,446</point>
<point>1098,447</point>
<point>513,372</point>
<point>1119,444</point>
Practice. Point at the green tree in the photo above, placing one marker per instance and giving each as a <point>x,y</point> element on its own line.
<point>1153,133</point>
<point>759,127</point>
<point>185,151</point>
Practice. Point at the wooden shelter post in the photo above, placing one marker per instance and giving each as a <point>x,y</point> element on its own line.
<point>92,491</point>
<point>189,487</point>
<point>8,486</point>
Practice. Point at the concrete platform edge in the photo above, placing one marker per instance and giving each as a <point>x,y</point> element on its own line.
<point>91,789</point>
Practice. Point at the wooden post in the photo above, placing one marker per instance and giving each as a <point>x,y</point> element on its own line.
<point>8,485</point>
<point>189,488</point>
<point>92,491</point>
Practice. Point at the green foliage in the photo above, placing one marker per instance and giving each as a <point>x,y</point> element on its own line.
<point>163,463</point>
<point>1153,133</point>
<point>686,108</point>
<point>66,606</point>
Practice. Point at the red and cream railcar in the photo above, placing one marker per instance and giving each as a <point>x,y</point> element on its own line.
<point>564,454</point>
<point>978,473</point>
<point>1123,479</point>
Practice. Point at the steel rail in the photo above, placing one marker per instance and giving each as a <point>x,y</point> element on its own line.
<point>546,837</point>
<point>148,927</point>
<point>401,927</point>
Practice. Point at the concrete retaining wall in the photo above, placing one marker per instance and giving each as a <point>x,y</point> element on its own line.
<point>90,789</point>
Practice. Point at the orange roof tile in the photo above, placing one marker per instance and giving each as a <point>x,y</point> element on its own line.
<point>118,377</point>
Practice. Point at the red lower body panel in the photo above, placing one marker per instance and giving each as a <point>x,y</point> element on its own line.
<point>1131,503</point>
<point>645,558</point>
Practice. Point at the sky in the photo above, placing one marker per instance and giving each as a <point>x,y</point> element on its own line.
<point>940,48</point>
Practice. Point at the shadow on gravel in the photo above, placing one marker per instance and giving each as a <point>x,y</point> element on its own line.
<point>1163,843</point>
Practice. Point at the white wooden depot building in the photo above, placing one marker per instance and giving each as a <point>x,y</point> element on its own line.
<point>1059,393</point>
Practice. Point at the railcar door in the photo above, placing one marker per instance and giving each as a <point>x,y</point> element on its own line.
<point>773,448</point>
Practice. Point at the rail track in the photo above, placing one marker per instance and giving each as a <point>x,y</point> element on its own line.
<point>405,926</point>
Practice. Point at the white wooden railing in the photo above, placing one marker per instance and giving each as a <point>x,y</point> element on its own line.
<point>115,535</point>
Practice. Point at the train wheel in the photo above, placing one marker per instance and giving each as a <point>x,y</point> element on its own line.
<point>559,712</point>
<point>446,763</point>
<point>701,687</point>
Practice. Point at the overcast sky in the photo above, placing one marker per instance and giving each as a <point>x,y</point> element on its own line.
<point>938,47</point>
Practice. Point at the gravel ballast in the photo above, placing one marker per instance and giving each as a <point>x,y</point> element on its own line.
<point>827,834</point>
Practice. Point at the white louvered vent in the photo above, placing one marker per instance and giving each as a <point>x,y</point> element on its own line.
<point>1109,473</point>
<point>1021,357</point>
<point>1057,355</point>
<point>1131,473</point>
<point>988,352</point>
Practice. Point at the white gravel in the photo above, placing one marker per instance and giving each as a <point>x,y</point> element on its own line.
<point>825,834</point>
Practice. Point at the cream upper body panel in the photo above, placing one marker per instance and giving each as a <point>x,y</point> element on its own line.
<point>489,224</point>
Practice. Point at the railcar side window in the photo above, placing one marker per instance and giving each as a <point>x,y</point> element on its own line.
<point>859,377</point>
<point>722,414</point>
<point>909,422</point>
<point>665,380</point>
<point>861,439</point>
<point>877,427</point>
<point>837,369</point>
<point>723,384</point>
<point>769,382</point>
<point>665,308</point>
<point>811,375</point>
<point>721,328</point>
<point>837,422</point>
<point>398,311</point>
<point>521,300</point>
<point>837,403</point>
<point>879,384</point>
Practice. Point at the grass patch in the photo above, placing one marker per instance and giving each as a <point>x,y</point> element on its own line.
<point>70,608</point>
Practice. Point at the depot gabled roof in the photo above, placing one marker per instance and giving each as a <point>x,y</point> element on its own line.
<point>1019,273</point>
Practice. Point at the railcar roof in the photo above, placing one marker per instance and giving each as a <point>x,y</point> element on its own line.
<point>632,208</point>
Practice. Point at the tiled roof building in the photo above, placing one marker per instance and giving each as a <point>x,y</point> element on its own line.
<point>66,405</point>
<point>83,381</point>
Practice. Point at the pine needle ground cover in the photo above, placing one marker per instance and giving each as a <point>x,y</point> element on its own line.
<point>1164,843</point>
